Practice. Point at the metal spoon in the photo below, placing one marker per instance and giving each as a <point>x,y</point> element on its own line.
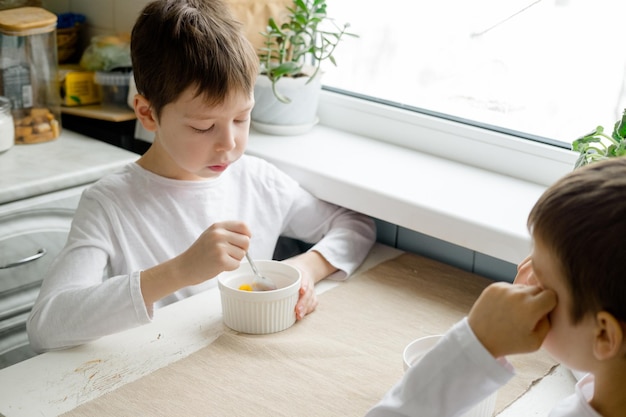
<point>260,282</point>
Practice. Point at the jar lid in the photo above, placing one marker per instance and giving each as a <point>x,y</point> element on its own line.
<point>27,21</point>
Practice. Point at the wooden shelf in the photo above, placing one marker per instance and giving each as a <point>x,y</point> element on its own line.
<point>106,113</point>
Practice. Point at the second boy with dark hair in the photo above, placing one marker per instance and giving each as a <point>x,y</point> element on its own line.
<point>569,297</point>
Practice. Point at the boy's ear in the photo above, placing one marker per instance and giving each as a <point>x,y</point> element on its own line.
<point>144,113</point>
<point>609,336</point>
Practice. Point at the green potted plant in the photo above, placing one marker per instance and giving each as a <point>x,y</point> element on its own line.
<point>597,145</point>
<point>288,86</point>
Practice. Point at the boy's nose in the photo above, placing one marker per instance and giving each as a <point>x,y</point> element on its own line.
<point>226,141</point>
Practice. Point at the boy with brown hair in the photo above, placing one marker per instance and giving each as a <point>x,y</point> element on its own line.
<point>569,297</point>
<point>192,206</point>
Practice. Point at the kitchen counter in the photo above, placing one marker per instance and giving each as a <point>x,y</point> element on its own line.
<point>40,187</point>
<point>69,161</point>
<point>57,382</point>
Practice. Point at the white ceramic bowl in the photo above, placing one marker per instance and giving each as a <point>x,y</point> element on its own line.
<point>260,312</point>
<point>414,351</point>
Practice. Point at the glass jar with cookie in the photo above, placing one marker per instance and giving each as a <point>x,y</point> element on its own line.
<point>28,72</point>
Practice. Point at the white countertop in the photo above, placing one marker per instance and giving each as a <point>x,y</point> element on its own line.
<point>68,161</point>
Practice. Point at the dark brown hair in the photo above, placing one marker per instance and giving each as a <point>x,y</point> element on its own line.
<point>582,218</point>
<point>176,44</point>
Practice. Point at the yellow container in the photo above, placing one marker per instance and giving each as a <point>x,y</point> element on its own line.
<point>78,86</point>
<point>28,72</point>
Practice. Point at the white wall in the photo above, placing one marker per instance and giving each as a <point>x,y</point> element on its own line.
<point>111,17</point>
<point>103,16</point>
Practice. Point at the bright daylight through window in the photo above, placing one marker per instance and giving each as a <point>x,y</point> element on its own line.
<point>548,69</point>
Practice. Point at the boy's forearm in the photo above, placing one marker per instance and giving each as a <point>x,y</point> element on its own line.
<point>160,281</point>
<point>313,264</point>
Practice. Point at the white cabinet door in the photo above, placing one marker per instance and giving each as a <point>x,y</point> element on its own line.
<point>32,233</point>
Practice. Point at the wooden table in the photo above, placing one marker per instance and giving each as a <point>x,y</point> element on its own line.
<point>57,382</point>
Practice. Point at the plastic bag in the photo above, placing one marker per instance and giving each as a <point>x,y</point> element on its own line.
<point>106,53</point>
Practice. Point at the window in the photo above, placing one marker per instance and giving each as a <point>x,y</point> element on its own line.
<point>548,70</point>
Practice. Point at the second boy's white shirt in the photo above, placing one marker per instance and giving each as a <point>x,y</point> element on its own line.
<point>458,373</point>
<point>134,219</point>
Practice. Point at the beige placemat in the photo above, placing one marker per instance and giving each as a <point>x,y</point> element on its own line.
<point>337,362</point>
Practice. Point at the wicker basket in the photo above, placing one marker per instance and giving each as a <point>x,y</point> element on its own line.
<point>67,42</point>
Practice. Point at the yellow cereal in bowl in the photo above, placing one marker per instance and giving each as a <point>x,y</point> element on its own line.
<point>245,287</point>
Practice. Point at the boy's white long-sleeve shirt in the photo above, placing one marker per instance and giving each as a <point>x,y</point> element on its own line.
<point>134,220</point>
<point>457,374</point>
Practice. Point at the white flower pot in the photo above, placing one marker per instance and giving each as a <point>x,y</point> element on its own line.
<point>272,116</point>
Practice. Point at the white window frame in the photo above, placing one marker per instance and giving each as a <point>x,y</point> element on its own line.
<point>494,151</point>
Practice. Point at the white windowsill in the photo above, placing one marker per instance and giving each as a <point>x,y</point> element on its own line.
<point>467,206</point>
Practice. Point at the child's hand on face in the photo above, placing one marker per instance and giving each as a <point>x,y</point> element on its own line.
<point>509,318</point>
<point>524,271</point>
<point>219,248</point>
